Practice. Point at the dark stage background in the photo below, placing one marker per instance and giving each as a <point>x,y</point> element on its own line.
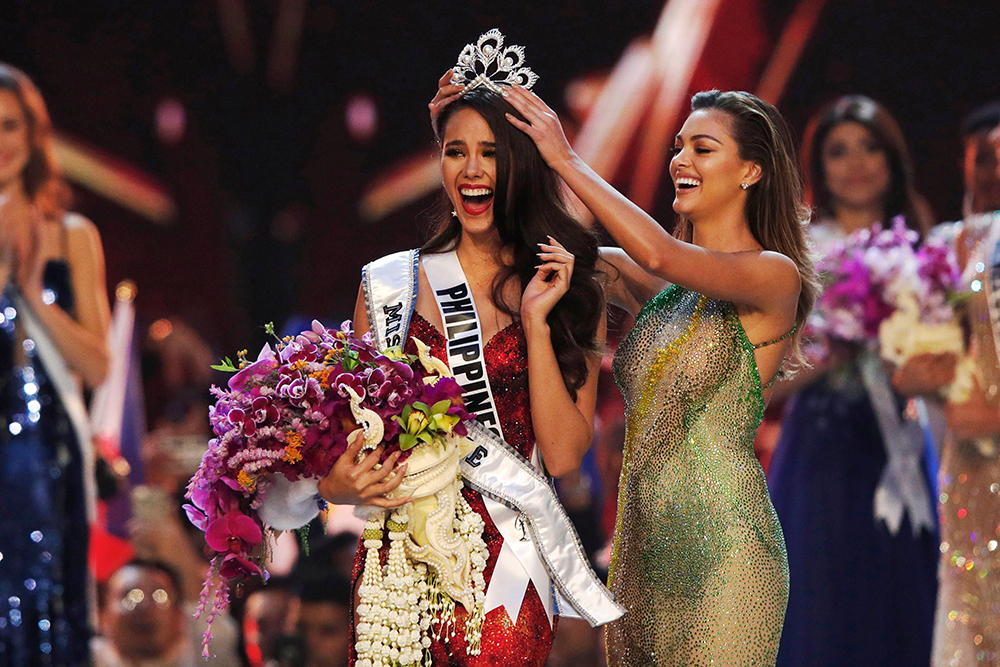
<point>267,178</point>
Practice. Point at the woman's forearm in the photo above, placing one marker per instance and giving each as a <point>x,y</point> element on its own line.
<point>562,433</point>
<point>84,351</point>
<point>638,234</point>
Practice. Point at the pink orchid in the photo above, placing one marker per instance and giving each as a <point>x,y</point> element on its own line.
<point>266,362</point>
<point>234,532</point>
<point>234,565</point>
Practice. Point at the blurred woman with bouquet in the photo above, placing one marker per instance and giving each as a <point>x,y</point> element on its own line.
<point>849,478</point>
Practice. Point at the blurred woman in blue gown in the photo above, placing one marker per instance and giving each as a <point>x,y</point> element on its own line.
<point>54,318</point>
<point>862,574</point>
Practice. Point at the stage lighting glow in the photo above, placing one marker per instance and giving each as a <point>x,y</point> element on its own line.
<point>160,329</point>
<point>171,120</point>
<point>362,117</point>
<point>126,291</point>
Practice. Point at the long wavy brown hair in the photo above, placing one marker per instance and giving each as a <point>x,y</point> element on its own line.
<point>527,208</point>
<point>775,208</point>
<point>43,181</point>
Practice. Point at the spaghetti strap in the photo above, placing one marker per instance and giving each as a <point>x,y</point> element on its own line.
<point>778,339</point>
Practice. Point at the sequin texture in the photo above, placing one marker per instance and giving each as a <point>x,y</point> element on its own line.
<point>967,626</point>
<point>528,641</point>
<point>699,558</point>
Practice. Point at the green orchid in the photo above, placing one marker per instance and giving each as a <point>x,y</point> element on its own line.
<point>423,423</point>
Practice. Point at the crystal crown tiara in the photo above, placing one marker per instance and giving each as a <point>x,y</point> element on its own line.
<point>488,63</point>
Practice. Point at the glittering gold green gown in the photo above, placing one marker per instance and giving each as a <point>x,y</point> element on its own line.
<point>699,557</point>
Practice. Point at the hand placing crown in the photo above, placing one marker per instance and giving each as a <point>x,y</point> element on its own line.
<point>488,63</point>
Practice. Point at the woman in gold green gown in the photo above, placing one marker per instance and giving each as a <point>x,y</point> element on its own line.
<point>699,558</point>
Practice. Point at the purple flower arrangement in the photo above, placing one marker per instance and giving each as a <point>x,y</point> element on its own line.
<point>868,276</point>
<point>289,413</point>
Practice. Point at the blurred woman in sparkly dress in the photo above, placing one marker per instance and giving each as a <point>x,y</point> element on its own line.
<point>699,558</point>
<point>861,593</point>
<point>967,627</point>
<point>54,317</point>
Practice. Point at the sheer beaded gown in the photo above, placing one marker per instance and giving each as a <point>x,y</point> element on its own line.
<point>967,622</point>
<point>43,522</point>
<point>699,557</point>
<point>527,640</point>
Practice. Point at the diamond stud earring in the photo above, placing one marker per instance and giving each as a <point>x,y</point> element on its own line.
<point>745,186</point>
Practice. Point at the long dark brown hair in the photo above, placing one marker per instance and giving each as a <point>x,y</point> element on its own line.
<point>901,199</point>
<point>43,182</point>
<point>775,209</point>
<point>527,209</point>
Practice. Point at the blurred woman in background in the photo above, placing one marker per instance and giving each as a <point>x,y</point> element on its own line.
<point>862,593</point>
<point>967,626</point>
<point>54,317</point>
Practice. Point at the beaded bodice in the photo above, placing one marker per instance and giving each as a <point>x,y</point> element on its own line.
<point>688,357</point>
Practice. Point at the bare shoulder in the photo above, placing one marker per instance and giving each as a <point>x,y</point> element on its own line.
<point>83,241</point>
<point>781,273</point>
<point>81,232</point>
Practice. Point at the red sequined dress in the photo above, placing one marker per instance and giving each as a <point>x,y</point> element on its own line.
<point>528,642</point>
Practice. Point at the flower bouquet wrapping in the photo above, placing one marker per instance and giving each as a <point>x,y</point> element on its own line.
<point>883,292</point>
<point>287,417</point>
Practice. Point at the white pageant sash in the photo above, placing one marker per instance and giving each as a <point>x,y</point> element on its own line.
<point>902,488</point>
<point>464,334</point>
<point>391,282</point>
<point>517,563</point>
<point>540,544</point>
<point>496,470</point>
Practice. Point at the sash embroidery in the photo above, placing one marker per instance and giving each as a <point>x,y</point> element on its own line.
<point>464,335</point>
<point>396,298</point>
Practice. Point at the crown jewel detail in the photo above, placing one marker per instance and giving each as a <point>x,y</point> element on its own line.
<point>488,63</point>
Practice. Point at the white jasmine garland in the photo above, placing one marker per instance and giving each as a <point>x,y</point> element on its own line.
<point>402,606</point>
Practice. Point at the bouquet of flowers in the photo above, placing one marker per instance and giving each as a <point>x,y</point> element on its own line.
<point>290,414</point>
<point>881,291</point>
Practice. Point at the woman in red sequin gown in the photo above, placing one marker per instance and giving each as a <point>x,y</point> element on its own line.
<point>531,270</point>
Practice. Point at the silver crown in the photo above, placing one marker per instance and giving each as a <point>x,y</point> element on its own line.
<point>488,63</point>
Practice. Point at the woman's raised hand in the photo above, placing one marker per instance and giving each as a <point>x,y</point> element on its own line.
<point>549,284</point>
<point>351,483</point>
<point>542,125</point>
<point>447,93</point>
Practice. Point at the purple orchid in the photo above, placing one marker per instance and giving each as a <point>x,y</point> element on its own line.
<point>349,380</point>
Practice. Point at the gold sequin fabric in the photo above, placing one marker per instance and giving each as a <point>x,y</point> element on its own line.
<point>699,557</point>
<point>967,626</point>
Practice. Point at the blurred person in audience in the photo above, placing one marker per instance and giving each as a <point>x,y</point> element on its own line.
<point>142,619</point>
<point>54,317</point>
<point>327,553</point>
<point>861,593</point>
<point>967,627</point>
<point>321,618</point>
<point>159,531</point>
<point>265,615</point>
<point>176,376</point>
